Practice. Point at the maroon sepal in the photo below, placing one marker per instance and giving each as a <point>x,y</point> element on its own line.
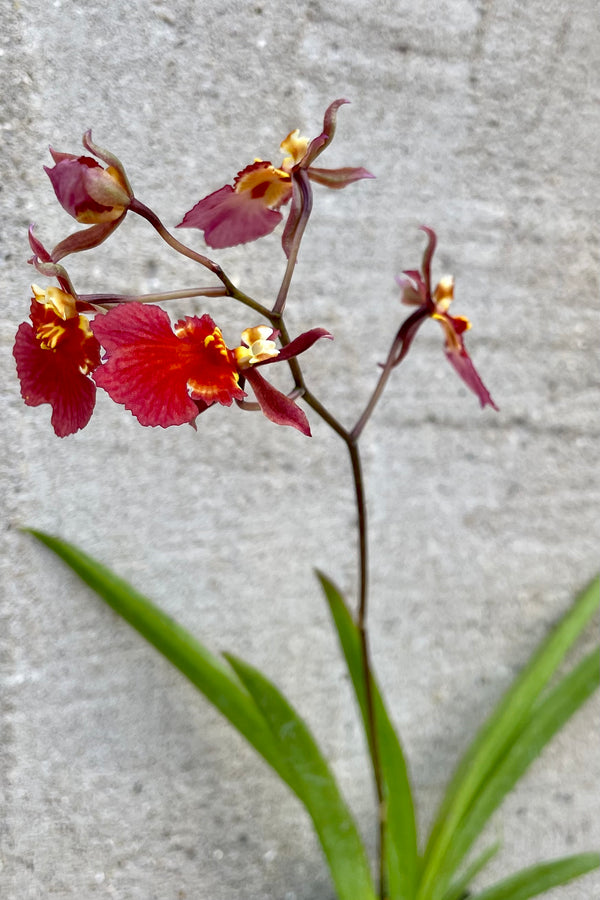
<point>299,212</point>
<point>294,348</point>
<point>336,179</point>
<point>275,405</point>
<point>85,239</point>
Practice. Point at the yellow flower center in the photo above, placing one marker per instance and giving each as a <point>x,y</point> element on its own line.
<point>63,304</point>
<point>266,182</point>
<point>49,335</point>
<point>216,339</point>
<point>442,298</point>
<point>257,346</point>
<point>62,307</point>
<point>444,293</point>
<point>296,146</point>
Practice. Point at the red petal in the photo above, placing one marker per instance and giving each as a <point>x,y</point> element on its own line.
<point>151,370</point>
<point>142,370</point>
<point>52,376</point>
<point>275,405</point>
<point>229,218</point>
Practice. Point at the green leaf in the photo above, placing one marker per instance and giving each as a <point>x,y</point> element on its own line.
<point>316,787</point>
<point>458,887</point>
<point>538,879</point>
<point>401,863</point>
<point>209,673</point>
<point>495,738</point>
<point>547,717</point>
<point>215,679</point>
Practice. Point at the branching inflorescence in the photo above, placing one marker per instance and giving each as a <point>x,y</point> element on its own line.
<point>169,373</point>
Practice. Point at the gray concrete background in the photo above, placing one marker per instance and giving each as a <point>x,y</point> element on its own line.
<point>479,119</point>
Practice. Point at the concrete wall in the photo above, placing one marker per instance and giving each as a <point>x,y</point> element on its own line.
<point>479,119</point>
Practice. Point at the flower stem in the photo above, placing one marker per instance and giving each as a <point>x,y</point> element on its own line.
<point>373,400</point>
<point>352,444</point>
<point>301,209</point>
<point>351,441</point>
<point>393,359</point>
<point>159,297</point>
<point>141,209</point>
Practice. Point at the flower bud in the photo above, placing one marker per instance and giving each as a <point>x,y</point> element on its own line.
<point>86,190</point>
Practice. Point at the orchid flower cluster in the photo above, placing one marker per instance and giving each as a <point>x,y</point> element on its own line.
<point>167,374</point>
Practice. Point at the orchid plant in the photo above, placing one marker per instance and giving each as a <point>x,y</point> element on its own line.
<point>169,374</point>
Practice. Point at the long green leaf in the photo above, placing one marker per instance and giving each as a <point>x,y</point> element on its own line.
<point>458,888</point>
<point>316,787</point>
<point>548,717</point>
<point>401,857</point>
<point>215,679</point>
<point>498,733</point>
<point>209,673</point>
<point>537,879</point>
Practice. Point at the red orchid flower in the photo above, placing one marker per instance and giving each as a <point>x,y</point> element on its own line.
<point>92,194</point>
<point>250,208</point>
<point>416,291</point>
<point>55,356</point>
<point>167,376</point>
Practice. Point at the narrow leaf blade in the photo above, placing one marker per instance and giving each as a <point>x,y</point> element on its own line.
<point>401,843</point>
<point>548,717</point>
<point>207,672</point>
<point>316,787</point>
<point>458,887</point>
<point>500,730</point>
<point>538,879</point>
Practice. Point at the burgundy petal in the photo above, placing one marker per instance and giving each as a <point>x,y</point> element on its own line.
<point>338,178</point>
<point>58,156</point>
<point>69,183</point>
<point>406,334</point>
<point>299,212</point>
<point>294,348</point>
<point>229,218</point>
<point>42,261</point>
<point>414,292</point>
<point>463,365</point>
<point>37,246</point>
<point>319,143</point>
<point>275,405</point>
<point>85,239</point>
<point>109,158</point>
<point>427,256</point>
